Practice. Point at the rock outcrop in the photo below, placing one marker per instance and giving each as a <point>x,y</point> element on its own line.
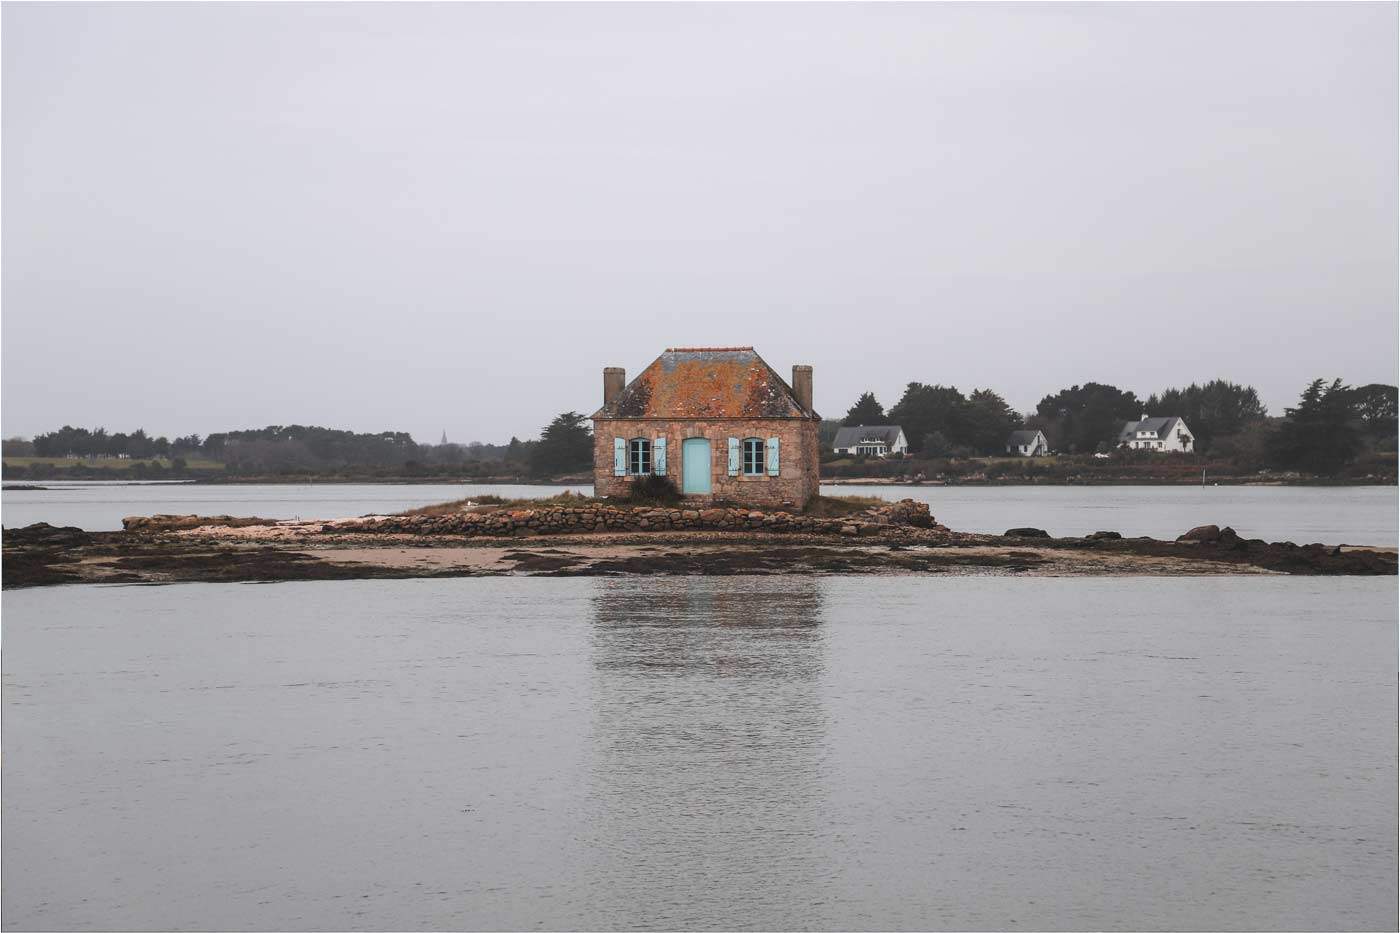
<point>42,534</point>
<point>177,522</point>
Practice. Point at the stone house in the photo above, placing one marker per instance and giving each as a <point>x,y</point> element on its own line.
<point>717,420</point>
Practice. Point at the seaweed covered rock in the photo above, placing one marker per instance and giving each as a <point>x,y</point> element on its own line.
<point>42,534</point>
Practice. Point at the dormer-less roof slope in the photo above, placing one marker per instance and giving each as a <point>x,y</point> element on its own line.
<point>1021,438</point>
<point>1161,426</point>
<point>885,434</point>
<point>707,382</point>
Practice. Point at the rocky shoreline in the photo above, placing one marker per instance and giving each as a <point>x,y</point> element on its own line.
<point>604,540</point>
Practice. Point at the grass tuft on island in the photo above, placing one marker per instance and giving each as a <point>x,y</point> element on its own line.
<point>817,506</point>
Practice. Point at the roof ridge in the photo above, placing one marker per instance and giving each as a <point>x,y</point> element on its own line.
<point>705,349</point>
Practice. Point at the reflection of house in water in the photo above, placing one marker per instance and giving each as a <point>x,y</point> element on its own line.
<point>697,625</point>
<point>709,737</point>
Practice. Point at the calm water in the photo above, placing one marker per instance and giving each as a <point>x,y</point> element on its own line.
<point>1332,515</point>
<point>1351,515</point>
<point>951,753</point>
<point>102,506</point>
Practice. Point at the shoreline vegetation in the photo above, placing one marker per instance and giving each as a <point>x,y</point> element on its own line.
<point>1335,435</point>
<point>879,481</point>
<point>1130,470</point>
<point>574,535</point>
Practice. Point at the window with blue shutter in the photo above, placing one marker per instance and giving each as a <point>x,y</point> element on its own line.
<point>772,456</point>
<point>733,456</point>
<point>658,457</point>
<point>753,456</point>
<point>639,456</point>
<point>619,457</point>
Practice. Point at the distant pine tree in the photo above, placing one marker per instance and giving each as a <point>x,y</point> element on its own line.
<point>1317,436</point>
<point>991,421</point>
<point>1375,405</point>
<point>926,410</point>
<point>565,446</point>
<point>866,410</point>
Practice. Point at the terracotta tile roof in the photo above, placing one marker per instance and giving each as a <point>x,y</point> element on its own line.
<point>706,382</point>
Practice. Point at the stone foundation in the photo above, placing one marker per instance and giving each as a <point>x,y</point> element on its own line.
<point>904,516</point>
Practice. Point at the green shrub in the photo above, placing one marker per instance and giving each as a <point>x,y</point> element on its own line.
<point>653,490</point>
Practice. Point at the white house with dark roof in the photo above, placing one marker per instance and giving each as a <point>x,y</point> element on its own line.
<point>864,440</point>
<point>1027,444</point>
<point>1168,435</point>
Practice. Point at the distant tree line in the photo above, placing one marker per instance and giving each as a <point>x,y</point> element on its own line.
<point>299,446</point>
<point>81,442</point>
<point>939,420</point>
<point>1331,426</point>
<point>565,446</point>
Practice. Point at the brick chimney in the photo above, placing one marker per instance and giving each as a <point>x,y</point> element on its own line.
<point>802,385</point>
<point>614,378</point>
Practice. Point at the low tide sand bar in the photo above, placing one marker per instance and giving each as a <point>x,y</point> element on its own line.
<point>586,537</point>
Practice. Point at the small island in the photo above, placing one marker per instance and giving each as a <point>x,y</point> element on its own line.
<point>571,535</point>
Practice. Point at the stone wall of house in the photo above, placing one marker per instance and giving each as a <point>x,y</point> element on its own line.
<point>799,456</point>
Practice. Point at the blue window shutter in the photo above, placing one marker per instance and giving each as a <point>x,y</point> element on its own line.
<point>658,457</point>
<point>733,456</point>
<point>772,456</point>
<point>619,457</point>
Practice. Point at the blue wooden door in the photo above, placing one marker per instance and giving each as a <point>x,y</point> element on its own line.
<point>695,467</point>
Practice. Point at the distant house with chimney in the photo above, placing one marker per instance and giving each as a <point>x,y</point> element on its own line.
<point>1161,434</point>
<point>864,440</point>
<point>717,420</point>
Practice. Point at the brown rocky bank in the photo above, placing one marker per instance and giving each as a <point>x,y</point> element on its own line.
<point>600,539</point>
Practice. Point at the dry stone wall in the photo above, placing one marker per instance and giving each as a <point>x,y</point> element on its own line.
<point>906,515</point>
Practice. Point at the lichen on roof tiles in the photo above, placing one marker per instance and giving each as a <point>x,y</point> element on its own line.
<point>706,382</point>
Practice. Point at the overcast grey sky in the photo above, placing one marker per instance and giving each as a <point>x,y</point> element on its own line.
<point>426,217</point>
